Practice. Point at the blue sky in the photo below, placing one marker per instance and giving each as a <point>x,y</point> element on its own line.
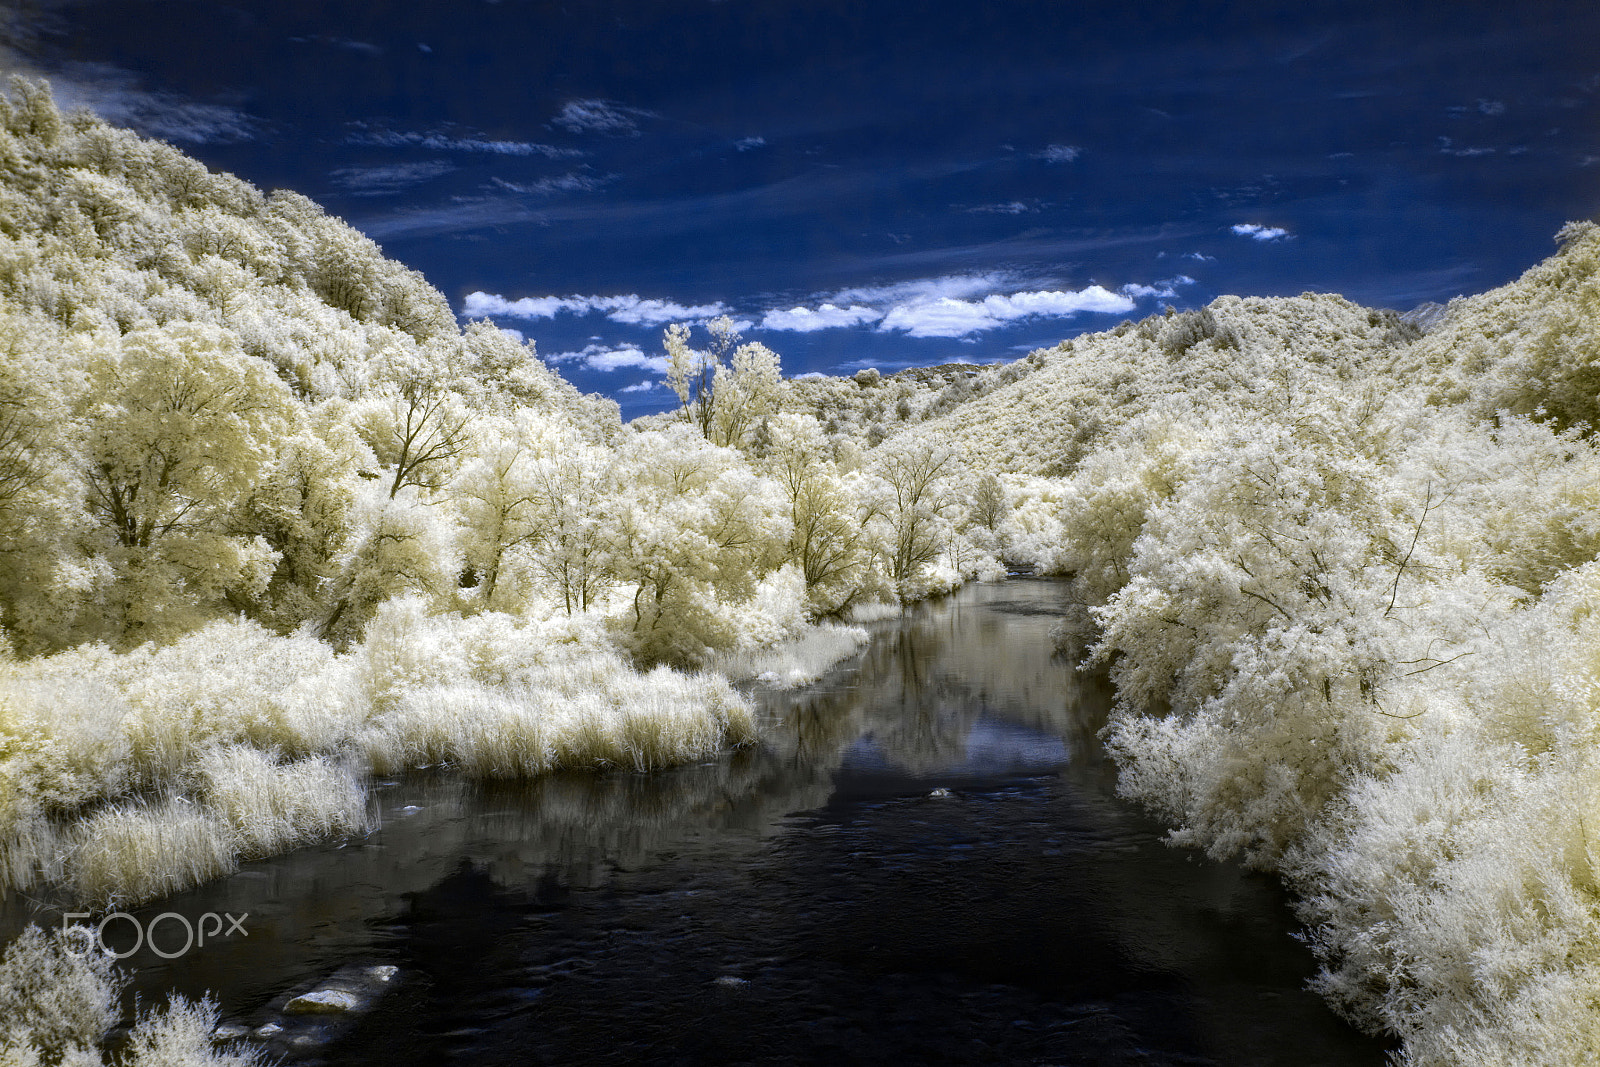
<point>868,183</point>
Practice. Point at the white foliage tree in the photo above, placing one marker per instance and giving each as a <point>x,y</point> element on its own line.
<point>726,389</point>
<point>182,425</point>
<point>698,528</point>
<point>913,500</point>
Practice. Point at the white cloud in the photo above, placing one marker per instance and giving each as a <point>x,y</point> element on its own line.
<point>745,144</point>
<point>950,317</point>
<point>601,358</point>
<point>828,316</point>
<point>950,306</point>
<point>955,286</point>
<point>943,317</point>
<point>630,309</point>
<point>439,141</point>
<point>481,305</point>
<point>1060,153</point>
<point>383,181</point>
<point>1164,289</point>
<point>639,387</point>
<point>516,335</point>
<point>1257,232</point>
<point>600,116</point>
<point>637,312</point>
<point>625,357</point>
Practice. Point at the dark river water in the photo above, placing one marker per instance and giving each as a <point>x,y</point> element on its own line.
<point>924,862</point>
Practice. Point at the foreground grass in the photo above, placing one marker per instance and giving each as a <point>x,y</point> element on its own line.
<point>130,777</point>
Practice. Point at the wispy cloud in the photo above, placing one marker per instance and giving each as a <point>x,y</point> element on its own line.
<point>460,215</point>
<point>574,182</point>
<point>361,47</point>
<point>629,309</point>
<point>1257,232</point>
<point>1059,153</point>
<point>600,116</point>
<point>1013,207</point>
<point>1450,148</point>
<point>1488,108</point>
<point>746,144</point>
<point>826,317</point>
<point>640,387</point>
<point>387,180</point>
<point>442,141</point>
<point>120,98</point>
<point>601,358</point>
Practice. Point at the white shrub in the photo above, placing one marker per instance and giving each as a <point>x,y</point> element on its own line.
<point>58,994</point>
<point>181,1036</point>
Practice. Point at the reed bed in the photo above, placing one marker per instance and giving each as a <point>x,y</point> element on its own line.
<point>127,777</point>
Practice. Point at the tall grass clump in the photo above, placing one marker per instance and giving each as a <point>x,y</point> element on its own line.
<point>270,806</point>
<point>137,850</point>
<point>602,714</point>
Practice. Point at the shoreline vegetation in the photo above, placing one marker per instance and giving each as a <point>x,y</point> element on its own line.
<point>271,522</point>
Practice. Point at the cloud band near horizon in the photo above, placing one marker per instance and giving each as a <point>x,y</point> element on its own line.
<point>950,307</point>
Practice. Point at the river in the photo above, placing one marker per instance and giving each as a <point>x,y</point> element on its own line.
<point>923,862</point>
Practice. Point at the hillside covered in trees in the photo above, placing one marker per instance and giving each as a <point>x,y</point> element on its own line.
<point>272,521</point>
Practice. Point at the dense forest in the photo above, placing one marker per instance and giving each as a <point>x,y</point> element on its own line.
<point>271,522</point>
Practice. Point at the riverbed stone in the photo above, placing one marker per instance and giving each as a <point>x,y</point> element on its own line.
<point>324,1002</point>
<point>385,972</point>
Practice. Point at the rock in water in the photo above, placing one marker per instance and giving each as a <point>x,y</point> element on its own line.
<point>323,1002</point>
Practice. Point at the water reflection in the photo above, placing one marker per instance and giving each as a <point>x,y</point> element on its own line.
<point>930,835</point>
